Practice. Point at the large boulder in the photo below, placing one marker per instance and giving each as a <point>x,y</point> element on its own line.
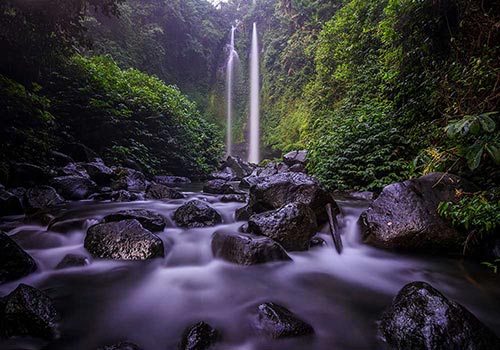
<point>196,213</point>
<point>99,172</point>
<point>157,191</point>
<point>14,261</point>
<point>129,179</point>
<point>218,186</point>
<point>172,181</point>
<point>292,226</point>
<point>239,167</point>
<point>74,187</point>
<point>149,219</point>
<point>41,197</point>
<point>276,321</point>
<point>421,318</point>
<point>275,191</point>
<point>199,336</point>
<point>26,174</point>
<point>29,312</point>
<point>246,249</point>
<point>295,157</point>
<point>405,216</point>
<point>10,204</point>
<point>226,174</point>
<point>123,240</point>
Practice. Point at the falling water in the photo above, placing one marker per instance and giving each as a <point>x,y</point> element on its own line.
<point>233,56</point>
<point>254,155</point>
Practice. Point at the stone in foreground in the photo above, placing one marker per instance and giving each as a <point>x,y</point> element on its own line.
<point>196,213</point>
<point>292,226</point>
<point>421,318</point>
<point>276,321</point>
<point>123,240</point>
<point>157,191</point>
<point>29,312</point>
<point>245,249</point>
<point>199,336</point>
<point>14,261</point>
<point>149,219</point>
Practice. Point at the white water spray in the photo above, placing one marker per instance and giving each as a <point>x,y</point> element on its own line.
<point>233,56</point>
<point>254,151</point>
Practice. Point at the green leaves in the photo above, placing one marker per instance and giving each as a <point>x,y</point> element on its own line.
<point>474,156</point>
<point>494,153</point>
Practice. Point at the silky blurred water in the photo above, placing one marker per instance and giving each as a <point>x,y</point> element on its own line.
<point>150,303</point>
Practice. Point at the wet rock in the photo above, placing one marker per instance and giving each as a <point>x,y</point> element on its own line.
<point>74,169</point>
<point>233,198</point>
<point>199,336</point>
<point>405,216</point>
<point>121,346</point>
<point>123,240</point>
<point>25,174</point>
<point>226,174</point>
<point>277,322</point>
<point>246,249</point>
<point>298,168</point>
<point>420,317</point>
<point>124,196</point>
<point>219,187</point>
<point>72,260</point>
<point>80,152</point>
<point>40,217</point>
<point>99,173</point>
<point>239,167</point>
<point>60,159</point>
<point>251,180</point>
<point>150,220</point>
<point>62,225</point>
<point>317,242</point>
<point>41,197</point>
<point>295,157</point>
<point>275,191</point>
<point>171,180</point>
<point>271,168</point>
<point>29,312</point>
<point>129,179</point>
<point>14,261</point>
<point>196,213</point>
<point>9,204</point>
<point>74,187</point>
<point>292,226</point>
<point>157,191</point>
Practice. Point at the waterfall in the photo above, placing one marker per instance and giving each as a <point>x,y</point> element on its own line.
<point>254,147</point>
<point>233,56</point>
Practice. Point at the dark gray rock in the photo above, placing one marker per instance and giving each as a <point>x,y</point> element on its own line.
<point>74,169</point>
<point>14,261</point>
<point>226,174</point>
<point>128,179</point>
<point>171,180</point>
<point>123,240</point>
<point>10,204</point>
<point>292,226</point>
<point>80,152</point>
<point>295,157</point>
<point>196,213</point>
<point>29,312</point>
<point>41,197</point>
<point>271,168</point>
<point>233,198</point>
<point>219,187</point>
<point>72,260</point>
<point>278,322</point>
<point>298,168</point>
<point>422,318</point>
<point>317,242</point>
<point>27,175</point>
<point>121,346</point>
<point>199,336</point>
<point>132,164</point>
<point>99,173</point>
<point>239,167</point>
<point>249,181</point>
<point>246,249</point>
<point>150,220</point>
<point>74,187</point>
<point>405,216</point>
<point>157,191</point>
<point>124,196</point>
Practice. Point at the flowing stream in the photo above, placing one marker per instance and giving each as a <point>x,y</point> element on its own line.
<point>150,303</point>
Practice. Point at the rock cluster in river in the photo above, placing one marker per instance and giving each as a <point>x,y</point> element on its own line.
<point>14,261</point>
<point>196,213</point>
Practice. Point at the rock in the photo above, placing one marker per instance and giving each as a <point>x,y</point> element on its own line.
<point>239,167</point>
<point>171,180</point>
<point>226,174</point>
<point>62,225</point>
<point>99,173</point>
<point>251,180</point>
<point>157,191</point>
<point>80,152</point>
<point>150,220</point>
<point>245,249</point>
<point>29,312</point>
<point>41,197</point>
<point>275,191</point>
<point>317,242</point>
<point>271,168</point>
<point>129,179</point>
<point>60,159</point>
<point>74,169</point>
<point>219,187</point>
<point>14,261</point>
<point>298,168</point>
<point>132,164</point>
<point>278,322</point>
<point>292,226</point>
<point>121,346</point>
<point>196,213</point>
<point>123,240</point>
<point>74,187</point>
<point>295,157</point>
<point>199,336</point>
<point>123,196</point>
<point>10,204</point>
<point>233,198</point>
<point>25,174</point>
<point>405,216</point>
<point>72,260</point>
<point>420,317</point>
